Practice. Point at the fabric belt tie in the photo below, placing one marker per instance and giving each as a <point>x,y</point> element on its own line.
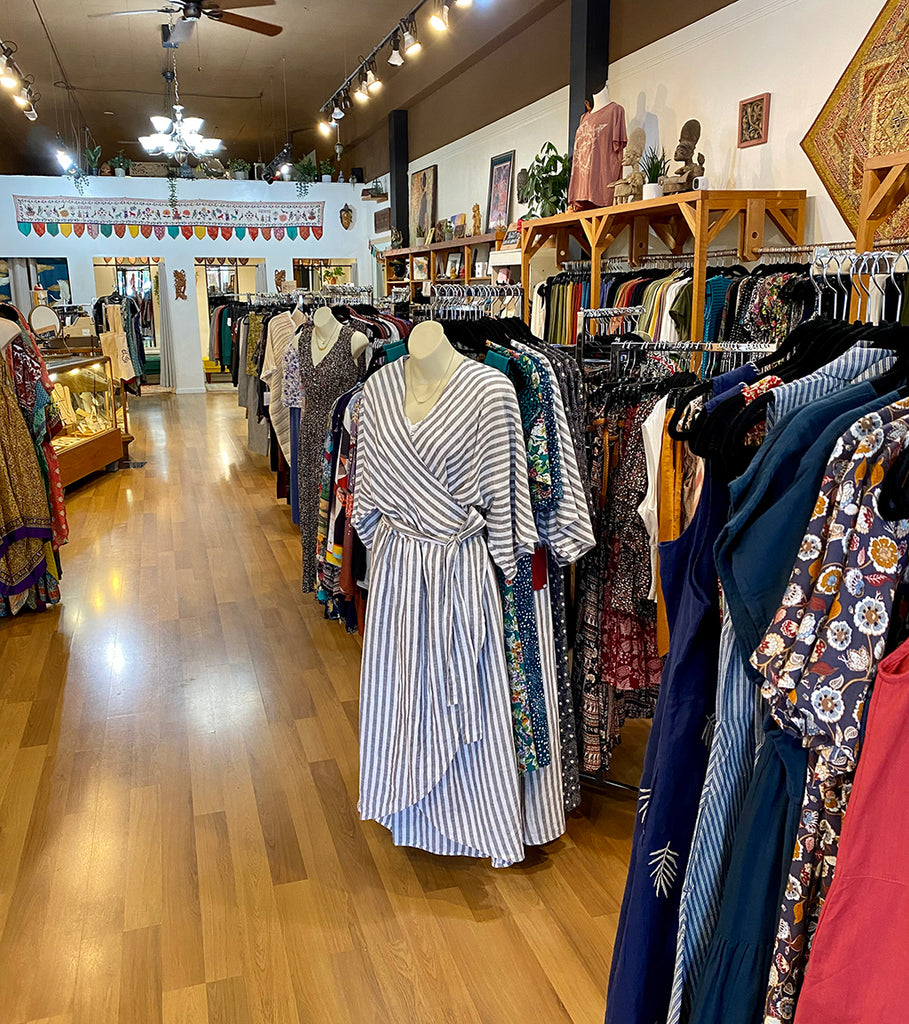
<point>449,591</point>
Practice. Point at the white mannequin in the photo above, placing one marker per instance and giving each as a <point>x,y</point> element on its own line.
<point>432,362</point>
<point>601,99</point>
<point>326,333</point>
<point>8,331</point>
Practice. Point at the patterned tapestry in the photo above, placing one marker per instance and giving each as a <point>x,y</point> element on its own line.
<point>190,218</point>
<point>867,114</point>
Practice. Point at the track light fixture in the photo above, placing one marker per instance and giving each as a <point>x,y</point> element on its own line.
<point>281,165</point>
<point>394,58</point>
<point>412,44</point>
<point>440,16</point>
<point>404,41</point>
<point>19,84</point>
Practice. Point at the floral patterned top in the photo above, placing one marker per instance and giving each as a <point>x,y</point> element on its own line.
<point>818,659</point>
<point>292,395</point>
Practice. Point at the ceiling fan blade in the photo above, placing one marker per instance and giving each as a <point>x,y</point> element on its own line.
<point>126,14</point>
<point>232,5</point>
<point>250,24</point>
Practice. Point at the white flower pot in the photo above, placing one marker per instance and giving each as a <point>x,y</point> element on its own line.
<point>326,178</point>
<point>240,175</point>
<point>652,190</point>
<point>119,172</point>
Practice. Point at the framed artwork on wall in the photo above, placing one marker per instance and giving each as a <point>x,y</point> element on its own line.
<point>754,121</point>
<point>453,266</point>
<point>421,268</point>
<point>498,203</point>
<point>422,202</point>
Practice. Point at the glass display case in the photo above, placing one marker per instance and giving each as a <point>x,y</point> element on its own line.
<point>92,407</point>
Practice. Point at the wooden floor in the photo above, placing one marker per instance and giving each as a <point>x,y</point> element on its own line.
<point>179,840</point>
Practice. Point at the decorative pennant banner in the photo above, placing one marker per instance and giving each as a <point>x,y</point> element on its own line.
<point>197,218</point>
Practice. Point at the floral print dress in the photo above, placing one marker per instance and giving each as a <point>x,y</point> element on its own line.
<point>818,659</point>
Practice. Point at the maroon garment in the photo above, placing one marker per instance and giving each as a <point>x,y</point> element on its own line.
<point>597,160</point>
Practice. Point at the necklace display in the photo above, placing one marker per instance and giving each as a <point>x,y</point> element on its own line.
<point>328,341</point>
<point>442,381</point>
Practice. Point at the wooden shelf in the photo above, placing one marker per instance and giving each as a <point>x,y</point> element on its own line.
<point>466,245</point>
<point>675,220</point>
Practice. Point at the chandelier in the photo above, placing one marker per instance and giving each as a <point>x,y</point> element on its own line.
<point>178,137</point>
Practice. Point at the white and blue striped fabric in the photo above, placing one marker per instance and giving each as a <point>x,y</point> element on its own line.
<point>438,502</point>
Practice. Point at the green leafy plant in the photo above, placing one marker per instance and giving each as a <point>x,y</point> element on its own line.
<point>93,156</point>
<point>331,275</point>
<point>326,167</point>
<point>545,183</point>
<point>172,187</point>
<point>120,161</point>
<point>240,166</point>
<point>81,183</point>
<point>306,170</point>
<point>654,165</point>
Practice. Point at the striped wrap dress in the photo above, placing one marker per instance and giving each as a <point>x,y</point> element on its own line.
<point>439,503</point>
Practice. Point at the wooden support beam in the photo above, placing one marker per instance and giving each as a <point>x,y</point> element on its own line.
<point>717,226</point>
<point>639,240</point>
<point>751,235</point>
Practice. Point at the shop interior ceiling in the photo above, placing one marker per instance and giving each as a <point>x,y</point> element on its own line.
<point>232,78</point>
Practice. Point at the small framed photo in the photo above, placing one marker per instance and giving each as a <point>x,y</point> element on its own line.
<point>754,121</point>
<point>421,268</point>
<point>453,266</point>
<point>503,276</point>
<point>498,203</point>
<point>479,269</point>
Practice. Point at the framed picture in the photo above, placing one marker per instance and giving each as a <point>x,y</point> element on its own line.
<point>512,239</point>
<point>453,266</point>
<point>754,121</point>
<point>421,268</point>
<point>498,203</point>
<point>422,202</point>
<point>479,268</point>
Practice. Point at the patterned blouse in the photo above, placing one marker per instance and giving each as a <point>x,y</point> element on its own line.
<point>818,659</point>
<point>292,395</point>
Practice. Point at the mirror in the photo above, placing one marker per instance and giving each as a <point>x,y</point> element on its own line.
<point>44,321</point>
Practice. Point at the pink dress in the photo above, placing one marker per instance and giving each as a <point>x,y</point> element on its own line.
<point>597,161</point>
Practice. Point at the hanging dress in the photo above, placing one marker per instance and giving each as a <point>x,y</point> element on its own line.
<point>440,502</point>
<point>322,385</point>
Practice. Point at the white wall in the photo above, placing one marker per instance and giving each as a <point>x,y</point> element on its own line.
<point>179,253</point>
<point>794,49</point>
<point>463,177</point>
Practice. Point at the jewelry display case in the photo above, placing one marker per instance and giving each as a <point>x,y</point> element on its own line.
<point>93,409</point>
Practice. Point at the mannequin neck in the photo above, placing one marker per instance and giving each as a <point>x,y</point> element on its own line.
<point>601,99</point>
<point>432,363</point>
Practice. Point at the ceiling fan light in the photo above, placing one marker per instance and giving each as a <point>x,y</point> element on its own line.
<point>193,124</point>
<point>161,123</point>
<point>147,142</point>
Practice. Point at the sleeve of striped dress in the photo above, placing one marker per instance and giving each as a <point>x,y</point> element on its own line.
<point>504,486</point>
<point>366,515</point>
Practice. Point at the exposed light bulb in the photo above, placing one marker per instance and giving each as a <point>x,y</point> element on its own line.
<point>64,159</point>
<point>439,19</point>
<point>412,43</point>
<point>21,98</point>
<point>394,58</point>
<point>9,79</point>
<point>464,3</point>
<point>324,127</point>
<point>31,113</point>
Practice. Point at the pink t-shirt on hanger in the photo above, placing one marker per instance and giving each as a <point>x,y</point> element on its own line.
<point>597,161</point>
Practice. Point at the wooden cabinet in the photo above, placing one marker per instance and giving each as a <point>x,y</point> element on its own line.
<point>436,255</point>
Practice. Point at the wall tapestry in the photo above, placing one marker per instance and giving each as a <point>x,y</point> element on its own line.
<point>192,218</point>
<point>867,114</point>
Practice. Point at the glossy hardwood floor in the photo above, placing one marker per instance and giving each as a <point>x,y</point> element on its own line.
<point>179,840</point>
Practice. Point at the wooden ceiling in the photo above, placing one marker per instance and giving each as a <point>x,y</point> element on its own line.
<point>232,78</point>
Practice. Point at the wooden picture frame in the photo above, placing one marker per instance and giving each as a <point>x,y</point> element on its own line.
<point>498,199</point>
<point>754,121</point>
<point>422,201</point>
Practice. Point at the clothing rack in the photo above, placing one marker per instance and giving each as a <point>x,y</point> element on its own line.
<point>470,301</point>
<point>359,293</point>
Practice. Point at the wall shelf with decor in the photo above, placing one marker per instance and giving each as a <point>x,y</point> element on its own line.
<point>698,217</point>
<point>437,254</point>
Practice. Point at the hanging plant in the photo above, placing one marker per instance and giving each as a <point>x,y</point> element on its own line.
<point>305,175</point>
<point>81,183</point>
<point>172,188</point>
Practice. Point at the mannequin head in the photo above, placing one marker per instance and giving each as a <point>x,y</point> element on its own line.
<point>425,339</point>
<point>324,318</point>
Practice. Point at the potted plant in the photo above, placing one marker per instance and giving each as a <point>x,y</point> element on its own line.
<point>239,169</point>
<point>93,158</point>
<point>331,275</point>
<point>325,169</point>
<point>421,235</point>
<point>120,164</point>
<point>544,185</point>
<point>654,166</point>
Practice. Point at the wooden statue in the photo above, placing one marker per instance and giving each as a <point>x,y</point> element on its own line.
<point>631,188</point>
<point>683,179</point>
<point>280,278</point>
<point>180,285</point>
<point>477,228</point>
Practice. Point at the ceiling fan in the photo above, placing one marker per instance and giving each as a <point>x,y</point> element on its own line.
<point>192,10</point>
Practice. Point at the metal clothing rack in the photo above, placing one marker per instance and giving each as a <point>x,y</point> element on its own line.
<point>471,301</point>
<point>347,293</point>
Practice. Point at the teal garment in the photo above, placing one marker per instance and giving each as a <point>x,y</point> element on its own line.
<point>227,342</point>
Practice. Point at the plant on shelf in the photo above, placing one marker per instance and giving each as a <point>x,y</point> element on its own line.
<point>304,175</point>
<point>377,189</point>
<point>93,158</point>
<point>239,169</point>
<point>421,234</point>
<point>545,187</point>
<point>120,164</point>
<point>325,169</point>
<point>331,275</point>
<point>654,165</point>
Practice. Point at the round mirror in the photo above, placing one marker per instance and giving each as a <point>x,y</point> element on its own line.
<point>44,321</point>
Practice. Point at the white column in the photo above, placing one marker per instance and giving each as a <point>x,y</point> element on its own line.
<point>184,319</point>
<point>283,260</point>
